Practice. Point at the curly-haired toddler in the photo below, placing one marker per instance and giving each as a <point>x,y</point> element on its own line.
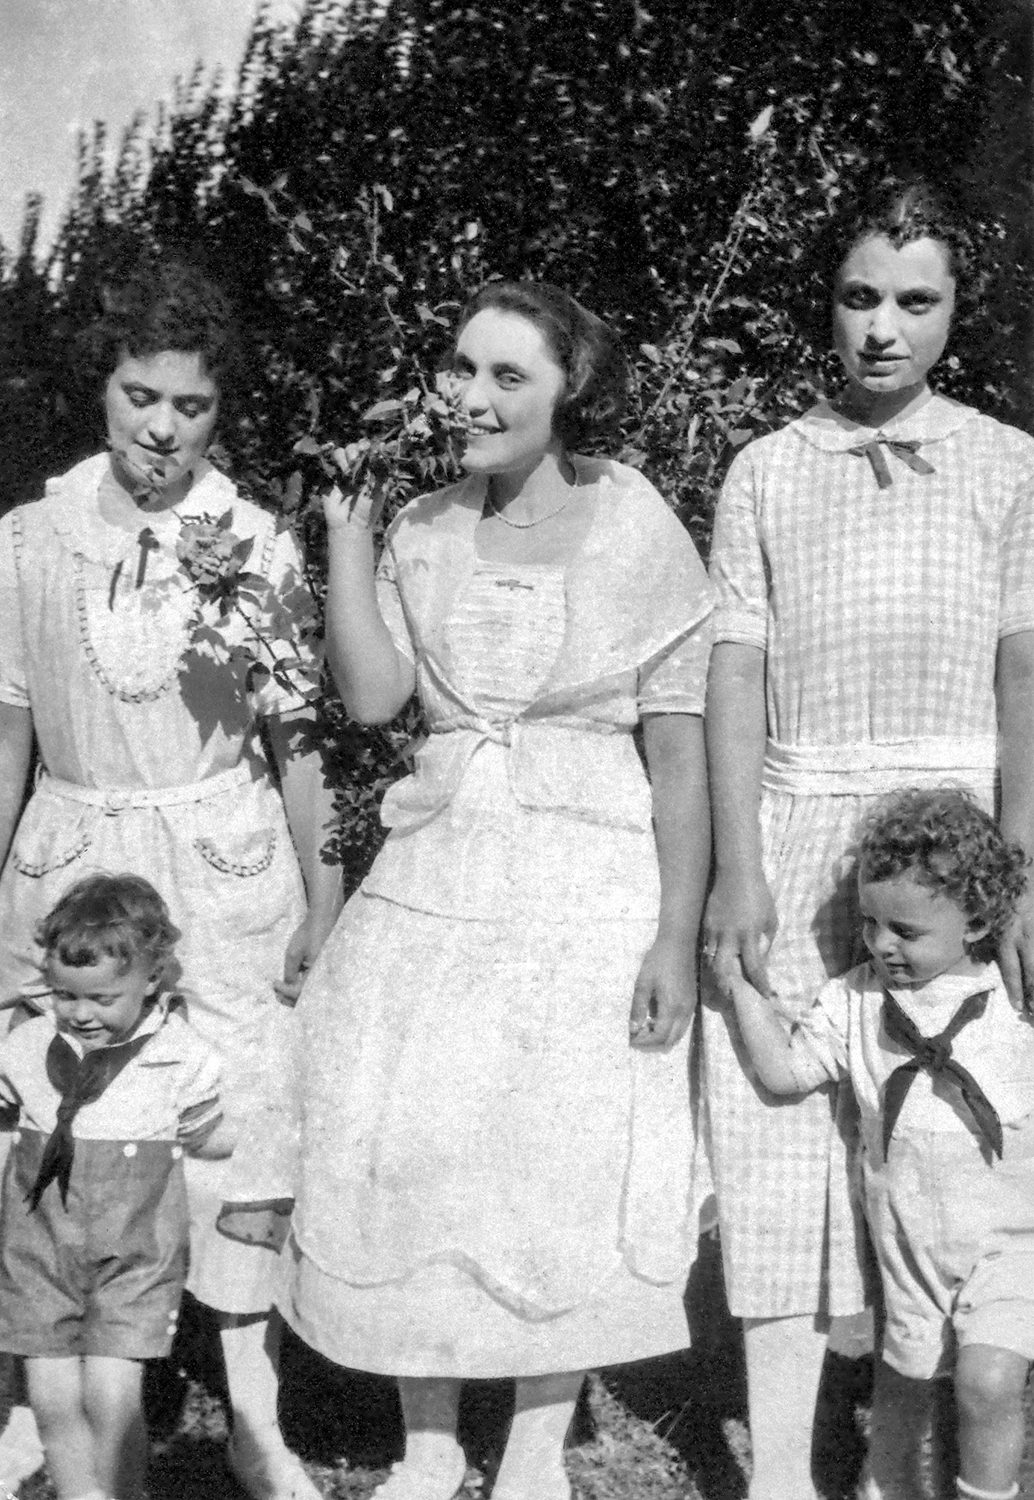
<point>110,1088</point>
<point>943,1070</point>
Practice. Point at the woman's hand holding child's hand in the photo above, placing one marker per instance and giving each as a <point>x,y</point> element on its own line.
<point>739,925</point>
<point>665,995</point>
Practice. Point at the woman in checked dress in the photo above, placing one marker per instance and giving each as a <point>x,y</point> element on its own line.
<point>874,562</point>
<point>495,1131</point>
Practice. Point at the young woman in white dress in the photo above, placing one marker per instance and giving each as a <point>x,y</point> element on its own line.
<point>496,1141</point>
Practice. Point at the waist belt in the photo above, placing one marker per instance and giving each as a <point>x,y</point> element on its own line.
<point>118,799</point>
<point>872,768</point>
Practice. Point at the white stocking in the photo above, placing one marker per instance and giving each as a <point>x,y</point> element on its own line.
<point>533,1463</point>
<point>258,1455</point>
<point>784,1366</point>
<point>434,1465</point>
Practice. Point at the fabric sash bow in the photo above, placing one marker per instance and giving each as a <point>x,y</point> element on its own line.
<point>80,1081</point>
<point>933,1053</point>
<point>907,451</point>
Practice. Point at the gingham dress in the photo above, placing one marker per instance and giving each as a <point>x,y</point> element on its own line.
<point>880,612</point>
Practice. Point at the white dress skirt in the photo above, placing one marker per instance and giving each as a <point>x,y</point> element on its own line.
<point>492,1181</point>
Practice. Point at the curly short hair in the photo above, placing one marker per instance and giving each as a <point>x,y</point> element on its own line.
<point>944,840</point>
<point>164,304</point>
<point>114,916</point>
<point>589,353</point>
<point>901,208</point>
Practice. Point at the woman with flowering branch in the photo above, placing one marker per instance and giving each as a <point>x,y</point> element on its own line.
<point>495,1136</point>
<point>151,619</point>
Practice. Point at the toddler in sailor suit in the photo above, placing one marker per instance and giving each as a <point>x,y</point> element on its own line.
<point>111,1087</point>
<point>942,1067</point>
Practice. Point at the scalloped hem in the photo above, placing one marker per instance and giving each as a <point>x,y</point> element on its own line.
<point>442,1323</point>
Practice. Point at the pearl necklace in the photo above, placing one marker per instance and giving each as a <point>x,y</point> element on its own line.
<point>525,525</point>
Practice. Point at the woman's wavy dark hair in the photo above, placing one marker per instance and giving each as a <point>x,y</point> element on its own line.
<point>903,209</point>
<point>588,352</point>
<point>164,304</point>
<point>944,840</point>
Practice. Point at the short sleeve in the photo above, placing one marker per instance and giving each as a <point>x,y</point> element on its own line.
<point>13,685</point>
<point>289,624</point>
<point>675,680</point>
<point>818,1039</point>
<point>390,601</point>
<point>737,559</point>
<point>1016,598</point>
<point>198,1102</point>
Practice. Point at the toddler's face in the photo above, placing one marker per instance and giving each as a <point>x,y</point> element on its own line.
<point>915,933</point>
<point>95,1003</point>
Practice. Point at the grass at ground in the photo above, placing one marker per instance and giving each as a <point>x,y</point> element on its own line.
<point>665,1429</point>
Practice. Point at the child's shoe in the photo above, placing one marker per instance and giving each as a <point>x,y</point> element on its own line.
<point>970,1492</point>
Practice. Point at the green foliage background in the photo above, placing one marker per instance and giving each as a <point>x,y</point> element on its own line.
<point>667,162</point>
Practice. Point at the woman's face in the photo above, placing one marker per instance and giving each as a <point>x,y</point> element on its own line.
<point>509,384</point>
<point>891,313</point>
<point>161,410</point>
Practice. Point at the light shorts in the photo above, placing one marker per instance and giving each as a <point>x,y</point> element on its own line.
<point>954,1237</point>
<point>105,1275</point>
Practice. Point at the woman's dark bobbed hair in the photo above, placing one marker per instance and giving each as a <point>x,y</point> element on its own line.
<point>588,352</point>
<point>900,208</point>
<point>164,304</point>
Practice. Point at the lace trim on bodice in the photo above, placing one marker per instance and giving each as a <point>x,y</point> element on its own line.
<point>134,638</point>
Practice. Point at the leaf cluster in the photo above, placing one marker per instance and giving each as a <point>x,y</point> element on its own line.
<point>669,164</point>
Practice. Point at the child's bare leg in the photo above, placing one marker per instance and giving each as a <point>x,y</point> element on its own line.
<point>784,1367</point>
<point>112,1397</point>
<point>902,1411</point>
<point>56,1394</point>
<point>989,1386</point>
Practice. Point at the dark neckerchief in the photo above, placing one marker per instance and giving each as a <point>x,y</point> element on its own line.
<point>933,1054</point>
<point>79,1081</point>
<point>907,451</point>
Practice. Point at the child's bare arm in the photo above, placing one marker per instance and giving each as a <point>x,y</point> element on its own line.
<point>767,1036</point>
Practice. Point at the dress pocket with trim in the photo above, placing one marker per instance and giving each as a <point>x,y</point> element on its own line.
<point>43,848</point>
<point>246,856</point>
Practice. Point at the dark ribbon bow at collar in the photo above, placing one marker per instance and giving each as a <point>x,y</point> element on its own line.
<point>907,451</point>
<point>932,1054</point>
<point>79,1081</point>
